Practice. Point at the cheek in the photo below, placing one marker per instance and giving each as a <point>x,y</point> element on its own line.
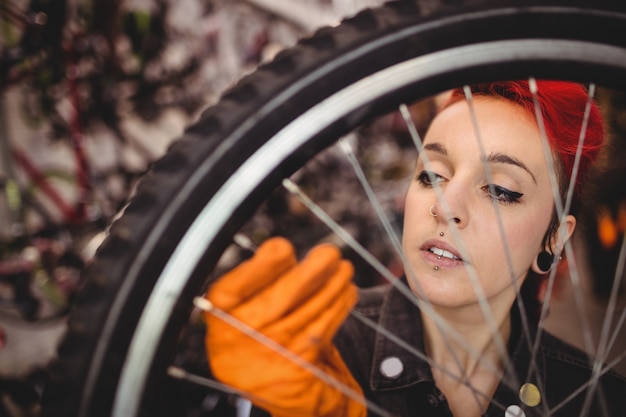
<point>520,237</point>
<point>408,229</point>
<point>524,240</point>
<point>411,212</point>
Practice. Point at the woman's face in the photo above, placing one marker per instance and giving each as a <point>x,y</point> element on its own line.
<point>520,194</point>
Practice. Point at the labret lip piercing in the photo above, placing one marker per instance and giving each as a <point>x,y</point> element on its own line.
<point>438,256</point>
<point>433,213</point>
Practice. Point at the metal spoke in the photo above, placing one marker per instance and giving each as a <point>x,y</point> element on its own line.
<point>385,273</point>
<point>475,282</point>
<point>205,305</point>
<point>510,379</point>
<point>393,236</point>
<point>520,304</point>
<point>558,203</point>
<point>182,374</point>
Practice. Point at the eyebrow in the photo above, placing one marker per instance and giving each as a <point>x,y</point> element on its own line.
<point>494,157</point>
<point>436,147</point>
<point>501,158</point>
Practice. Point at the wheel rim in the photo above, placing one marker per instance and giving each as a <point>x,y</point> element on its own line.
<point>441,69</point>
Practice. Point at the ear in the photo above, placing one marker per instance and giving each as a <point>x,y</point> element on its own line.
<point>557,242</point>
<point>569,225</point>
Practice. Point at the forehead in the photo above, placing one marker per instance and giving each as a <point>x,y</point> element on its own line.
<point>501,126</point>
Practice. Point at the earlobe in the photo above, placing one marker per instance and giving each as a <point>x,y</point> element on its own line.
<point>543,263</point>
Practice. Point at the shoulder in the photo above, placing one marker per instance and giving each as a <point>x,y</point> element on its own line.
<point>367,310</point>
<point>568,369</point>
<point>562,354</point>
<point>356,338</point>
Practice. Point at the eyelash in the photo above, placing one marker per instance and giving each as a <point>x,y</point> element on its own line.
<point>428,178</point>
<point>495,192</point>
<point>502,195</point>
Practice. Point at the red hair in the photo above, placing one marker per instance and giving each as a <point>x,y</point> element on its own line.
<point>562,106</point>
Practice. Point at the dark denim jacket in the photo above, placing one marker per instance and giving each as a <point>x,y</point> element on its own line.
<point>560,368</point>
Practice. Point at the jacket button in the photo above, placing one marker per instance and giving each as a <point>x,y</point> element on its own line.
<point>514,411</point>
<point>530,395</point>
<point>391,367</point>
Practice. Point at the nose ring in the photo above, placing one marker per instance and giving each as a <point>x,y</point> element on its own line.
<point>432,212</point>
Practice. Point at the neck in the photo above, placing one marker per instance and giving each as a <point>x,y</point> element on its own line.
<point>468,365</point>
<point>479,345</point>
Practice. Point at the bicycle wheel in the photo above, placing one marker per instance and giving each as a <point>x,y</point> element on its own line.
<point>139,289</point>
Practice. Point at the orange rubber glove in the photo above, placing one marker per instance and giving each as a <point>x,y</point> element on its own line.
<point>300,307</point>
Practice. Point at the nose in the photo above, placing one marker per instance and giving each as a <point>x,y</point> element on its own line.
<point>452,205</point>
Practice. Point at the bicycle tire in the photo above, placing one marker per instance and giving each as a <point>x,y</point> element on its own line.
<point>139,288</point>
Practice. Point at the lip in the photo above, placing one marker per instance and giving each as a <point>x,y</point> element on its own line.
<point>440,261</point>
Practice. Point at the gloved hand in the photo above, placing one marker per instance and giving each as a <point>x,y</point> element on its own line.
<point>299,306</point>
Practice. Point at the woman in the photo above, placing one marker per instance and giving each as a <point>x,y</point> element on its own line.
<point>481,231</point>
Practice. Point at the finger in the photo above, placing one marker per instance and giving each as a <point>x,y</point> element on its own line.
<point>273,258</point>
<point>331,318</point>
<point>291,290</point>
<point>317,336</point>
<point>318,318</point>
<point>302,282</point>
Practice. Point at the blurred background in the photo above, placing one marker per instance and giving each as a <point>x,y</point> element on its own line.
<point>92,92</point>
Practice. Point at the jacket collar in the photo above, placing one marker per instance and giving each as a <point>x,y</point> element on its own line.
<point>403,321</point>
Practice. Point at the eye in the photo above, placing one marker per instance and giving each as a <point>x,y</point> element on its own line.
<point>429,178</point>
<point>501,194</point>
